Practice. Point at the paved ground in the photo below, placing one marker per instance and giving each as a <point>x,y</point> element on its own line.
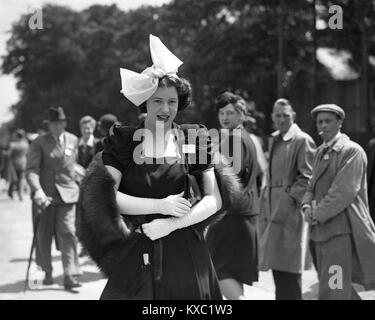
<point>15,241</point>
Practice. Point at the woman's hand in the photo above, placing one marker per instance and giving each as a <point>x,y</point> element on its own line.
<point>174,205</point>
<point>158,228</point>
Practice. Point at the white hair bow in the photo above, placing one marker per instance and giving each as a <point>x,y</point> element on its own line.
<point>138,87</point>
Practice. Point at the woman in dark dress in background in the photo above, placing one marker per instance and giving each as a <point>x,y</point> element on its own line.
<point>158,250</point>
<point>233,240</point>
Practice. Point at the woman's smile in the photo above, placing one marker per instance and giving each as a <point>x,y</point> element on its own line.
<point>163,118</point>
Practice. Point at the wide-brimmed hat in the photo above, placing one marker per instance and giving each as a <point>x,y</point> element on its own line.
<point>55,114</point>
<point>333,108</point>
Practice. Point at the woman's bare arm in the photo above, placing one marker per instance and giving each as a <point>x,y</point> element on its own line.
<point>174,205</point>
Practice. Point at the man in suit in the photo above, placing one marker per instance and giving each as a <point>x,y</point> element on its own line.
<point>283,231</point>
<point>336,207</point>
<point>51,176</point>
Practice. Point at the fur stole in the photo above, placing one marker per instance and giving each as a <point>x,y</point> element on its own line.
<point>105,233</point>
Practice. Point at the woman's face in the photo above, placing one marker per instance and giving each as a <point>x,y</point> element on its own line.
<point>162,106</point>
<point>87,129</point>
<point>229,117</point>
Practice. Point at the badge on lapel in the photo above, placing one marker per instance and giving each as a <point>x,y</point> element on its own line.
<point>326,156</point>
<point>68,151</point>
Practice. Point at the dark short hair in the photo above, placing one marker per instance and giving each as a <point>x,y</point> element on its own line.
<point>284,103</point>
<point>228,97</point>
<point>106,121</point>
<point>183,87</point>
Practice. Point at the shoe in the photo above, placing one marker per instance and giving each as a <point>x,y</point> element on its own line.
<point>48,280</point>
<point>70,282</point>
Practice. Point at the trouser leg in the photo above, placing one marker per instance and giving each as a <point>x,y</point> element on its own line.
<point>20,178</point>
<point>66,236</point>
<point>334,266</point>
<point>288,285</point>
<point>44,235</point>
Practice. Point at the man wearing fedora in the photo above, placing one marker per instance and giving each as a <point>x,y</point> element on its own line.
<point>336,207</point>
<point>51,176</point>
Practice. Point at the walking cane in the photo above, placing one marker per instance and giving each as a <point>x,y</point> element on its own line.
<point>39,210</point>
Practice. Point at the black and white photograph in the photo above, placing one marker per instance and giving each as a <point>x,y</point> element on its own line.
<point>194,151</point>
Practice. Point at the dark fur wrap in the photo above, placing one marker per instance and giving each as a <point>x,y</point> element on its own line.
<point>104,232</point>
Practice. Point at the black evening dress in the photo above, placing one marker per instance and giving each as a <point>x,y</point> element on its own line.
<point>177,266</point>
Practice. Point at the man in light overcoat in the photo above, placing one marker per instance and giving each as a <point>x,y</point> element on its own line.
<point>283,231</point>
<point>51,175</point>
<point>336,207</point>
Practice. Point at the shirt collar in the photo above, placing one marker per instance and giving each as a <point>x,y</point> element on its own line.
<point>289,134</point>
<point>331,142</point>
<point>170,150</point>
<point>60,138</point>
<point>89,143</point>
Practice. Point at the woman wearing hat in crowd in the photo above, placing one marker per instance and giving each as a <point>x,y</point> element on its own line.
<point>157,250</point>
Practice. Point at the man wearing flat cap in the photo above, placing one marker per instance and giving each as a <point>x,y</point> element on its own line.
<point>51,176</point>
<point>335,205</point>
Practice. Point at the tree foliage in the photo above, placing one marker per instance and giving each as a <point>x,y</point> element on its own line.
<point>74,60</point>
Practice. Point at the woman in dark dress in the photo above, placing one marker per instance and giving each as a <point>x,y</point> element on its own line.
<point>233,240</point>
<point>158,250</point>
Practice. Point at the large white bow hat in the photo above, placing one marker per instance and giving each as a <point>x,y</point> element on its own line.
<point>138,87</point>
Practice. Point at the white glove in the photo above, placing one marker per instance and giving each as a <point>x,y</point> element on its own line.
<point>174,205</point>
<point>159,228</point>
